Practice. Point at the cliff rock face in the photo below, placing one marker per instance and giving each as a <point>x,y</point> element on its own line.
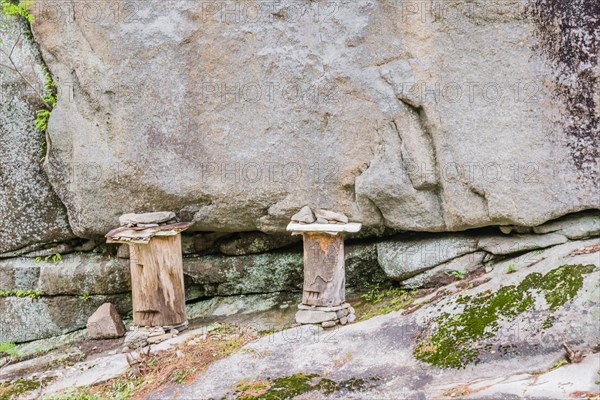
<point>418,116</point>
<point>30,212</point>
<point>403,115</point>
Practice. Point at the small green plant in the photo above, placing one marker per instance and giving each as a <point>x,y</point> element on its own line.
<point>457,274</point>
<point>49,96</point>
<point>560,363</point>
<point>56,257</point>
<point>86,296</point>
<point>181,376</point>
<point>122,389</point>
<point>34,294</point>
<point>21,8</point>
<point>512,268</point>
<point>386,300</point>
<point>8,348</point>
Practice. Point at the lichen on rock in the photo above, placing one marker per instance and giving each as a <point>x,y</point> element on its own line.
<point>453,341</point>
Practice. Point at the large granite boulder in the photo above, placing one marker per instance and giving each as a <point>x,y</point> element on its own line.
<point>30,212</point>
<point>386,113</point>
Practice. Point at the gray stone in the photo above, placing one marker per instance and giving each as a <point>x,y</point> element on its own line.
<point>322,221</point>
<point>202,243</point>
<point>386,344</point>
<point>305,215</point>
<point>574,227</point>
<point>329,324</point>
<point>418,160</point>
<point>123,251</point>
<point>501,245</point>
<point>105,323</point>
<point>331,216</point>
<point>88,245</point>
<point>23,319</point>
<point>159,338</point>
<point>441,274</point>
<point>259,273</point>
<point>340,314</point>
<point>508,229</point>
<point>343,320</point>
<point>321,308</point>
<point>254,243</point>
<point>81,273</point>
<point>136,338</point>
<point>30,212</point>
<point>62,248</point>
<point>243,306</point>
<point>147,218</point>
<point>402,259</point>
<point>18,274</point>
<point>271,272</point>
<point>156,332</point>
<point>314,316</point>
<point>351,318</point>
<point>362,267</point>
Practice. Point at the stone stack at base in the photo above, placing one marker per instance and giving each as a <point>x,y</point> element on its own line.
<point>327,317</point>
<point>324,291</point>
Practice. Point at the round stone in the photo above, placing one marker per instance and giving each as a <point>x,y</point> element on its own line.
<point>328,324</point>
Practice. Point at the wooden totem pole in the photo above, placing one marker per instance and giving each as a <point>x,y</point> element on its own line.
<point>324,292</point>
<point>156,262</point>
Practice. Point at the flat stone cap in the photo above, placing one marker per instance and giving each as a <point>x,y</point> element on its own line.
<point>147,218</point>
<point>351,227</point>
<point>143,234</point>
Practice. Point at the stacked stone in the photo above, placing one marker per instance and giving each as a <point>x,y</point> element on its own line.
<point>147,220</point>
<point>327,317</point>
<point>319,216</point>
<point>141,336</point>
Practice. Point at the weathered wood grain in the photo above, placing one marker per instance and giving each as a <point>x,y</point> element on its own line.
<point>157,282</point>
<point>324,270</point>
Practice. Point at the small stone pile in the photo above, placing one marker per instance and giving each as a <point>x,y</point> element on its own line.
<point>319,216</point>
<point>139,337</point>
<point>327,317</point>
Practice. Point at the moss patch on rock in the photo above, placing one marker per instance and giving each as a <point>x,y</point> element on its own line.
<point>451,342</point>
<point>383,300</point>
<point>14,389</point>
<point>289,387</point>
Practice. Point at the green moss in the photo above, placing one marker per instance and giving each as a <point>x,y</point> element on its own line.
<point>13,389</point>
<point>451,342</point>
<point>384,300</point>
<point>9,349</point>
<point>294,385</point>
<point>34,294</point>
<point>562,284</point>
<point>548,322</point>
<point>328,386</point>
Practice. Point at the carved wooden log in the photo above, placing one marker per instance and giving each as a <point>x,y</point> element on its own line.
<point>157,282</point>
<point>324,270</point>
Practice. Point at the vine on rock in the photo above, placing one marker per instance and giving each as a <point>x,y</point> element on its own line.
<point>16,10</point>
